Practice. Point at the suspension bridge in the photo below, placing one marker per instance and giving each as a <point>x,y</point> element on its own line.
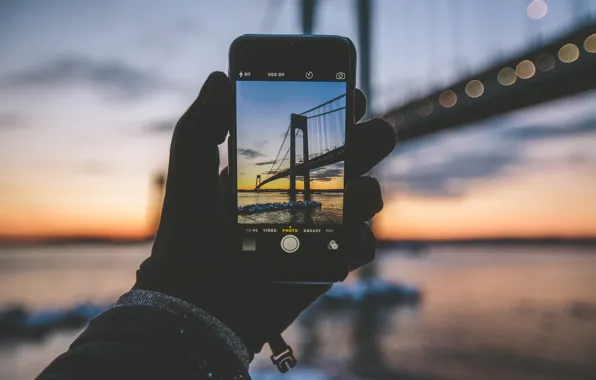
<point>321,130</point>
<point>562,67</point>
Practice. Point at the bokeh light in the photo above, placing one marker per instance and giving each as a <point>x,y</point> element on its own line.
<point>474,88</point>
<point>396,119</point>
<point>537,9</point>
<point>525,69</point>
<point>507,76</point>
<point>425,108</point>
<point>545,62</point>
<point>590,44</point>
<point>448,98</point>
<point>569,53</point>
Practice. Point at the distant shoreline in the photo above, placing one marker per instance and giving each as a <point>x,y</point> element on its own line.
<point>504,241</point>
<point>65,241</point>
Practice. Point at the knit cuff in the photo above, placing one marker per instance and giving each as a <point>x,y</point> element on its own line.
<point>141,297</point>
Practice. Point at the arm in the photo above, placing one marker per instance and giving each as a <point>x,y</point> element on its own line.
<point>149,335</point>
<point>186,318</point>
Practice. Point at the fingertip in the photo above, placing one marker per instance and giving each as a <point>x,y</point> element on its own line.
<point>224,172</point>
<point>386,134</point>
<point>218,75</point>
<point>364,247</point>
<point>370,142</point>
<point>224,179</point>
<point>363,199</point>
<point>221,107</point>
<point>359,105</point>
<point>211,112</point>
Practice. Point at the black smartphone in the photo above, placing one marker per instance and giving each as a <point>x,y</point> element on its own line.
<point>287,148</point>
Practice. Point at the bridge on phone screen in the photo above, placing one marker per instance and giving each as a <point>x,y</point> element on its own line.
<point>319,135</point>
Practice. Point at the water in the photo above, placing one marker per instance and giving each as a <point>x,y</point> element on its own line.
<point>487,313</point>
<point>329,213</point>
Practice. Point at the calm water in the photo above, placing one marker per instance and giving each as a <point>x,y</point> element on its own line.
<point>487,313</point>
<point>329,213</point>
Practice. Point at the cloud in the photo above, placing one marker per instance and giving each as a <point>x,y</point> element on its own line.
<point>250,153</point>
<point>263,163</point>
<point>446,165</point>
<point>448,177</point>
<point>161,126</point>
<point>171,35</point>
<point>261,144</point>
<point>11,120</point>
<point>327,173</point>
<point>116,78</point>
<point>537,132</point>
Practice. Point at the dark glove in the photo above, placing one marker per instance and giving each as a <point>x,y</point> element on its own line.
<point>187,261</point>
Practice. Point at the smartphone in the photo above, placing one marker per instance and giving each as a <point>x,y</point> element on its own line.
<point>291,133</point>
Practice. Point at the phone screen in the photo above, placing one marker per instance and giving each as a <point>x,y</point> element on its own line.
<point>289,155</point>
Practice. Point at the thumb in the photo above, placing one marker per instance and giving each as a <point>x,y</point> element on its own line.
<point>192,181</point>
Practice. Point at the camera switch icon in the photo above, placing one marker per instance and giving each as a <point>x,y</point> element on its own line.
<point>340,75</point>
<point>332,245</point>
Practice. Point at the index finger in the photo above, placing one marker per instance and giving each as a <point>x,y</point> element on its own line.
<point>210,115</point>
<point>371,142</point>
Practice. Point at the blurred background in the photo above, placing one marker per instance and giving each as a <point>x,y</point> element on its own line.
<point>487,260</point>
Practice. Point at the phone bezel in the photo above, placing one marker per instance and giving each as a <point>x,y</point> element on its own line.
<point>325,53</point>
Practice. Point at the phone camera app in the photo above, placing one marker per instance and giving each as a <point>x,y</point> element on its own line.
<point>291,138</point>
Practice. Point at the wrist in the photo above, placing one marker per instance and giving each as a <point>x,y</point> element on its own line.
<point>162,301</point>
<point>220,304</point>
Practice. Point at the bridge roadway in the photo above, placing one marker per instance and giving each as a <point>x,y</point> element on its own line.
<point>426,115</point>
<point>331,157</point>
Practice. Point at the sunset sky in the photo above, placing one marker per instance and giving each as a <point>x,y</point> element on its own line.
<point>263,117</point>
<point>529,173</point>
<point>90,91</point>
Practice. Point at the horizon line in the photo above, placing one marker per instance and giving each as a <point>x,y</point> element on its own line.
<point>40,240</point>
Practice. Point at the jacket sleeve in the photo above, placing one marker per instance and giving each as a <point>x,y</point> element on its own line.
<point>150,335</point>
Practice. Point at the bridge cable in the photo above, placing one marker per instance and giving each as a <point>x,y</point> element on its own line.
<point>278,151</point>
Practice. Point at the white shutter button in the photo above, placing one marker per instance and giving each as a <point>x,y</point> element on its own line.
<point>290,243</point>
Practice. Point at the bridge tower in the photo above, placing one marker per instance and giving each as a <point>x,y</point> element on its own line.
<point>156,197</point>
<point>298,122</point>
<point>257,182</point>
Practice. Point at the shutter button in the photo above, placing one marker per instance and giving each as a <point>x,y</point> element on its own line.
<point>290,243</point>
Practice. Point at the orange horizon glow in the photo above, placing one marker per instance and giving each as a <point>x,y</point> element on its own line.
<point>34,209</point>
<point>545,204</point>
<point>559,203</point>
<point>47,226</point>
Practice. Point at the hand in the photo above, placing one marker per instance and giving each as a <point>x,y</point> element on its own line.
<point>186,260</point>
